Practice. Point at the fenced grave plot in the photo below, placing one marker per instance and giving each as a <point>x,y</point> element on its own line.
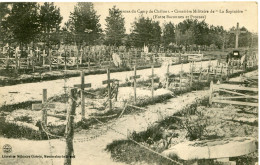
<point>179,82</point>
<point>196,123</point>
<point>246,96</point>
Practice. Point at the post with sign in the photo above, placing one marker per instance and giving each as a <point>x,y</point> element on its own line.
<point>82,86</point>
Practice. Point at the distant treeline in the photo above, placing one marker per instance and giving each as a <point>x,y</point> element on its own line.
<point>28,23</point>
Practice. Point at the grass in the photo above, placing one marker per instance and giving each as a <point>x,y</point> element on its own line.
<point>11,130</point>
<point>129,152</point>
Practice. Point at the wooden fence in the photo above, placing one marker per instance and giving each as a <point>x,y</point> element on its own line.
<point>234,94</point>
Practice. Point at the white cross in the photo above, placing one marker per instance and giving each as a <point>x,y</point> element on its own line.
<point>17,51</point>
<point>44,54</point>
<point>37,50</point>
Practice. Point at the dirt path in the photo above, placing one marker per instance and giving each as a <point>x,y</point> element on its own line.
<point>33,91</point>
<point>92,152</point>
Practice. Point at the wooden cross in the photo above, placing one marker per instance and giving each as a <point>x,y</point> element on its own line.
<point>17,56</point>
<point>108,81</point>
<point>81,55</point>
<point>167,75</point>
<point>37,50</point>
<point>237,31</point>
<point>135,77</point>
<point>82,86</point>
<point>153,77</point>
<point>43,106</point>
<point>18,51</point>
<point>43,57</point>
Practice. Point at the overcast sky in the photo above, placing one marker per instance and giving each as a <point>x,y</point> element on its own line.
<point>219,12</point>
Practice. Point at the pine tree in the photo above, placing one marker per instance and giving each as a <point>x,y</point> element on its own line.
<point>168,34</point>
<point>50,20</point>
<point>115,30</point>
<point>146,31</point>
<point>23,22</point>
<point>85,23</point>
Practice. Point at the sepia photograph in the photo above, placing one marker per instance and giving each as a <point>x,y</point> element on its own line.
<point>129,83</point>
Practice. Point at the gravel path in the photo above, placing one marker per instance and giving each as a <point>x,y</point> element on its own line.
<point>33,91</point>
<point>92,152</point>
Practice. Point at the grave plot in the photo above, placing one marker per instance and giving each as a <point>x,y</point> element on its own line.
<point>193,135</point>
<point>205,132</point>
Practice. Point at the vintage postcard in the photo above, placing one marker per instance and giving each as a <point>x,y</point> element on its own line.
<point>140,83</point>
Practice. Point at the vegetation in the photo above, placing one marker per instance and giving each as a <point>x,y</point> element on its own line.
<point>28,23</point>
<point>115,30</point>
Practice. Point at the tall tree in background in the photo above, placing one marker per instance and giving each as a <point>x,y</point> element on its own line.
<point>115,30</point>
<point>4,11</point>
<point>85,23</point>
<point>168,34</point>
<point>23,22</point>
<point>50,20</point>
<point>185,33</point>
<point>146,31</point>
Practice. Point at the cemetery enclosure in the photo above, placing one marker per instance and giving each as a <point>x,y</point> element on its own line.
<point>147,75</point>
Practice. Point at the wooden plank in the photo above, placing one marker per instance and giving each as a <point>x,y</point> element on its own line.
<point>111,80</point>
<point>84,86</point>
<point>40,106</point>
<point>237,97</point>
<point>136,77</point>
<point>57,116</point>
<point>235,102</point>
<point>236,93</point>
<point>236,87</point>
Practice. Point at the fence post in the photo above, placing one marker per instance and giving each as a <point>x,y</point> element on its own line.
<point>200,71</point>
<point>82,75</point>
<point>167,76</point>
<point>44,111</point>
<point>50,61</point>
<point>88,61</point>
<point>69,128</point>
<point>108,89</point>
<point>152,81</point>
<point>208,70</point>
<point>191,74</point>
<point>210,93</point>
<point>16,62</point>
<point>221,76</point>
<point>181,77</point>
<point>135,83</point>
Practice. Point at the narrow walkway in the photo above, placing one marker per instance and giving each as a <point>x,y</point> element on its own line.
<point>92,152</point>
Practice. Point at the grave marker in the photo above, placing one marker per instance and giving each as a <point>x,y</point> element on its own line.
<point>43,57</point>
<point>237,31</point>
<point>43,106</point>
<point>134,77</point>
<point>82,86</point>
<point>108,81</point>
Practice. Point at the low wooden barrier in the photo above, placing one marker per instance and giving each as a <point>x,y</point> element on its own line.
<point>236,93</point>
